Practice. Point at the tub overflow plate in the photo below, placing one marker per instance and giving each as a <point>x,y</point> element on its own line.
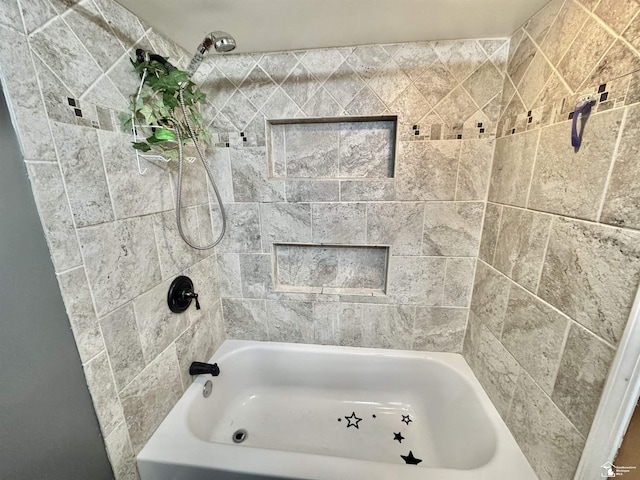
<point>206,390</point>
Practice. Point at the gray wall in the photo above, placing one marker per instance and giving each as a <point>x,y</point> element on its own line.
<point>48,427</point>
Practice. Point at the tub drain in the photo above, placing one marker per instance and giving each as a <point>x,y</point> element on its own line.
<point>239,436</point>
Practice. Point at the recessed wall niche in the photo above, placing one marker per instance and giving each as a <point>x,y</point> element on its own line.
<point>345,147</point>
<point>331,269</point>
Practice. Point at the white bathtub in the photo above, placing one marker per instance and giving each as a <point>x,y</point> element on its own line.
<point>300,405</point>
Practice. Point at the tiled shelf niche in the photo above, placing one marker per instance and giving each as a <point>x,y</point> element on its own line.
<point>329,148</point>
<point>331,269</point>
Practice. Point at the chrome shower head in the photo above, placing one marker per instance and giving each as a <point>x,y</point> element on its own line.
<point>221,41</point>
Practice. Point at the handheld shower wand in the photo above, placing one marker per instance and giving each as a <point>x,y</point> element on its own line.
<point>221,41</point>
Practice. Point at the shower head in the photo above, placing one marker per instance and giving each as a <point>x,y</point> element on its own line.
<point>221,41</point>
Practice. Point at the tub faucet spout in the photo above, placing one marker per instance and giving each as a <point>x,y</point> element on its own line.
<point>200,368</point>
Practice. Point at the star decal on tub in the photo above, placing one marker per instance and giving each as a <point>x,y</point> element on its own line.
<point>353,420</point>
<point>398,436</point>
<point>410,459</point>
<point>406,419</point>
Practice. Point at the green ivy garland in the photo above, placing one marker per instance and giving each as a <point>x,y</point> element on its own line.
<point>158,110</point>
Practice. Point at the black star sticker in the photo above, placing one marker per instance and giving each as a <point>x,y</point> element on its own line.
<point>398,436</point>
<point>406,419</point>
<point>354,419</point>
<point>410,459</point>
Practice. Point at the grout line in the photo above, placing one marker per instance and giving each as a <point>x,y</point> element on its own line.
<point>495,247</point>
<point>614,158</point>
<point>533,168</point>
<point>544,255</point>
<point>563,345</point>
<point>455,187</point>
<point>106,176</point>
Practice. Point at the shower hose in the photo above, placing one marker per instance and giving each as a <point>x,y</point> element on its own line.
<point>209,174</point>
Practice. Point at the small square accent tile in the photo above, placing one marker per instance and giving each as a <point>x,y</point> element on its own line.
<point>602,88</point>
<point>78,112</point>
<point>72,101</point>
<point>604,97</point>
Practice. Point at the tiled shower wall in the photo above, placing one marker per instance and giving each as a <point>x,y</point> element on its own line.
<point>111,233</point>
<point>446,96</point>
<point>559,261</point>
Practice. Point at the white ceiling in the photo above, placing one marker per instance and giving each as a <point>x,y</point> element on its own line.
<point>275,25</point>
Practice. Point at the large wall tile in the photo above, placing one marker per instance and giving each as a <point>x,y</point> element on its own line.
<point>284,222</point>
<point>565,28</point>
<point>416,280</point>
<point>583,371</point>
<point>427,170</point>
<point>79,306</point>
<point>366,149</point>
<point>534,333</point>
<point>229,275</point>
<point>458,282</point>
<point>290,321</point>
<point>150,397</point>
<point>521,245</point>
<point>121,261</point>
<point>194,345</point>
<point>120,454</point>
<point>396,224</point>
<point>243,229</point>
<point>591,273</point>
<point>571,183</point>
<point>104,393</point>
<point>50,196</point>
<point>339,223</point>
<point>123,345</point>
<point>256,275</point>
<point>206,284</point>
<point>474,169</point>
<point>388,326</point>
<point>245,319</point>
<point>452,229</point>
<point>490,230</point>
<point>312,191</point>
<point>439,329</point>
<point>367,190</point>
<point>549,441</point>
<point>490,297</point>
<point>250,182</point>
<point>512,168</point>
<point>622,202</point>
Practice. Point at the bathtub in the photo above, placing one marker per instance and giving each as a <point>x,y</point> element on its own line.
<point>333,413</point>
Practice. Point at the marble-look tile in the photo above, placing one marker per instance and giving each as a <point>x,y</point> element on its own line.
<point>452,229</point>
<point>521,244</point>
<point>339,223</point>
<point>83,174</point>
<point>290,321</point>
<point>458,282</point>
<point>388,326</point>
<point>322,104</point>
<point>534,334</point>
<point>281,106</point>
<point>50,196</point>
<point>104,93</point>
<point>581,377</point>
<point>416,280</point>
<point>619,61</point>
<point>366,149</point>
<point>348,328</point>
<point>53,91</point>
<point>229,275</point>
<point>194,345</point>
<point>312,149</point>
<point>235,67</point>
<point>123,345</point>
<point>133,194</point>
<point>121,261</point>
<point>157,326</point>
<point>367,60</point>
<point>361,268</point>
<point>245,319</point>
<point>194,182</point>
<point>410,106</point>
<point>285,222</point>
<point>103,393</point>
<point>427,170</point>
<point>483,83</point>
<point>344,84</point>
<point>322,63</point>
<point>389,82</point>
<point>462,57</point>
<point>590,273</point>
<point>217,323</point>
<point>125,24</point>
<point>120,453</point>
<point>10,15</point>
<point>439,329</point>
<point>312,191</point>
<point>79,307</point>
<point>325,322</point>
<point>414,57</point>
<point>632,32</point>
<point>278,65</point>
<point>590,45</point>
<point>435,83</point>
<point>306,267</point>
<point>219,161</point>
<point>457,107</point>
<point>239,110</point>
<point>490,297</point>
<point>493,365</point>
<point>521,60</point>
<point>490,230</point>
<point>123,76</point>
<point>512,168</point>
<point>367,190</point>
<point>571,183</point>
<point>173,252</point>
<point>206,284</point>
<point>249,173</point>
<point>535,79</point>
<point>551,444</point>
<point>396,224</point>
<point>300,85</point>
<point>256,275</point>
<point>258,86</point>
<point>150,397</point>
<point>61,50</point>
<point>474,169</point>
<point>538,25</point>
<point>622,201</point>
<point>243,228</point>
<point>95,34</point>
<point>365,103</point>
<point>617,13</point>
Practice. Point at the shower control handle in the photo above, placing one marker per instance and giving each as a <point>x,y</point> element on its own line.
<point>181,294</point>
